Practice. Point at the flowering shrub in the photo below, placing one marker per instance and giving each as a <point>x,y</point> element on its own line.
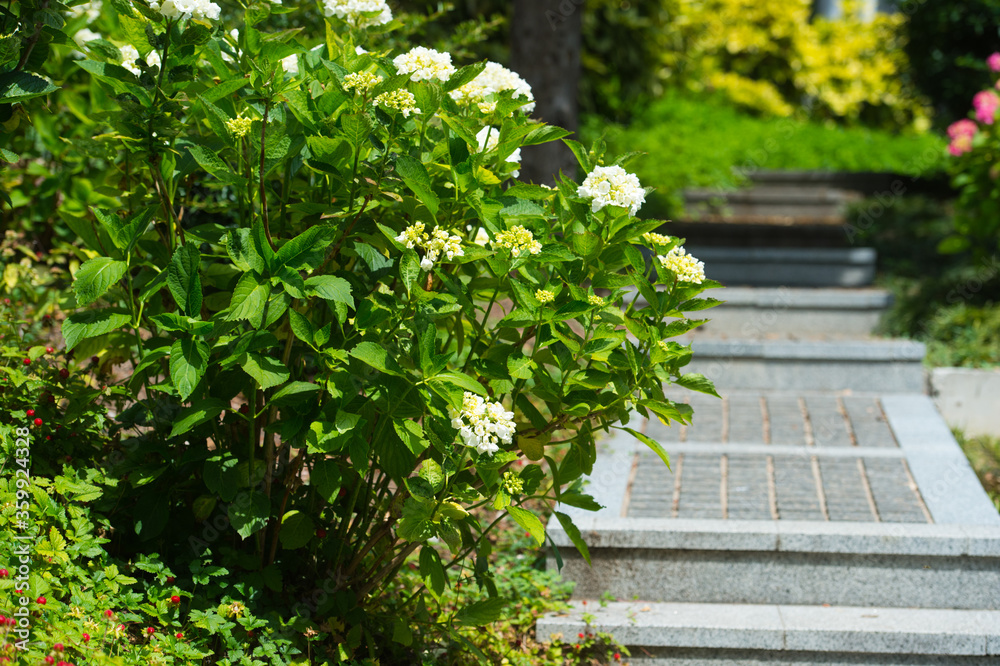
<point>347,335</point>
<point>973,145</point>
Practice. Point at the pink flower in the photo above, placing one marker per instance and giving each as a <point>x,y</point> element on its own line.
<point>993,62</point>
<point>961,134</point>
<point>986,103</point>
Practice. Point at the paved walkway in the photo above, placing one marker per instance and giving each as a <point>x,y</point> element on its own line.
<point>797,526</point>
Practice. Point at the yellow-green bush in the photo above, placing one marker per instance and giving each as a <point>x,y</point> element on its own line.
<point>772,57</point>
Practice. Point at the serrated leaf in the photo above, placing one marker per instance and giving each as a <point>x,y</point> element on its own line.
<point>356,128</point>
<point>432,570</point>
<point>92,323</point>
<point>297,529</point>
<point>377,357</point>
<point>414,174</point>
<point>249,513</point>
<point>188,362</point>
<point>326,478</point>
<point>95,277</point>
<point>294,392</point>
<point>214,165</point>
<point>652,444</point>
<point>305,251</point>
<point>520,367</point>
<point>573,532</point>
<point>124,233</point>
<point>481,612</point>
<point>183,279</point>
<point>248,301</point>
<point>529,522</point>
<point>19,86</point>
<point>331,288</point>
<point>266,371</point>
<point>697,382</point>
<point>198,413</point>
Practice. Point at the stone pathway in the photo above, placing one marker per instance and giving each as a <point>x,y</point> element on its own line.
<point>819,513</point>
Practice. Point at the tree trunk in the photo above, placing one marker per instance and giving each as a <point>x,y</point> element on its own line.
<point>545,51</point>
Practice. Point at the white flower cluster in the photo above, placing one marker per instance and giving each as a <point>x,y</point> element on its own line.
<point>400,100</point>
<point>423,64</point>
<point>656,239</point>
<point>291,64</point>
<point>489,138</point>
<point>518,239</point>
<point>84,35</point>
<point>359,13</point>
<point>434,245</point>
<point>92,10</point>
<point>613,186</point>
<point>185,9</point>
<point>129,56</point>
<point>483,425</point>
<point>683,265</point>
<point>544,296</point>
<point>240,126</point>
<point>492,80</point>
<point>363,82</point>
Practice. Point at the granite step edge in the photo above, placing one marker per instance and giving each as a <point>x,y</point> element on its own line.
<point>823,629</point>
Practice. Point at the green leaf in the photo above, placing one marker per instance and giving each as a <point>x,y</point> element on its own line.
<point>211,163</point>
<point>409,269</point>
<point>431,472</point>
<point>377,357</point>
<point>95,277</point>
<point>432,570</point>
<point>265,370</point>
<point>92,323</point>
<point>520,367</point>
<point>356,128</point>
<point>248,300</point>
<point>481,612</point>
<point>249,513</point>
<point>464,75</point>
<point>414,174</point>
<point>695,304</point>
<point>697,382</point>
<point>415,524</point>
<point>183,279</point>
<point>654,445</point>
<point>331,288</point>
<point>19,86</point>
<point>573,532</point>
<point>412,435</point>
<point>199,412</point>
<point>296,530</point>
<point>529,522</point>
<point>305,251</point>
<point>580,153</point>
<point>326,478</point>
<point>293,392</point>
<point>544,134</point>
<point>124,233</point>
<point>580,500</point>
<point>188,362</point>
<point>240,248</point>
<point>462,381</point>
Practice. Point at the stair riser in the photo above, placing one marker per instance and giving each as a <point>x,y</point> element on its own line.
<point>786,578</point>
<point>752,322</point>
<point>715,657</point>
<point>736,373</point>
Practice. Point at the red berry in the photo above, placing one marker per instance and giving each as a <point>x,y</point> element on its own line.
<point>108,613</point>
<point>3,574</point>
<point>170,580</point>
<point>150,631</point>
<point>50,660</point>
<point>27,361</point>
<point>48,437</point>
<point>618,656</point>
<point>175,599</point>
<point>6,301</point>
<point>86,638</point>
<point>63,373</point>
<point>94,360</point>
<point>244,409</point>
<point>321,533</point>
<point>50,349</point>
<point>38,422</point>
<point>250,634</point>
<point>58,647</point>
<point>31,412</point>
<point>580,635</point>
<point>179,634</point>
<point>41,600</point>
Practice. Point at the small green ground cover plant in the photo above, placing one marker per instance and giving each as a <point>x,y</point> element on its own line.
<point>336,336</point>
<point>713,144</point>
<point>984,454</point>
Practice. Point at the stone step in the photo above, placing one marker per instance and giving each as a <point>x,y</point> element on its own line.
<point>885,366</point>
<point>692,634</point>
<point>788,266</point>
<point>764,312</point>
<point>784,205</point>
<point>786,562</point>
<point>889,514</point>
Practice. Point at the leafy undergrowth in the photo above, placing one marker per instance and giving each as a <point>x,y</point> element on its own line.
<point>984,455</point>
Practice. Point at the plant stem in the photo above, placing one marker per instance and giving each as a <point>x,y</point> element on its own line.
<point>263,193</point>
